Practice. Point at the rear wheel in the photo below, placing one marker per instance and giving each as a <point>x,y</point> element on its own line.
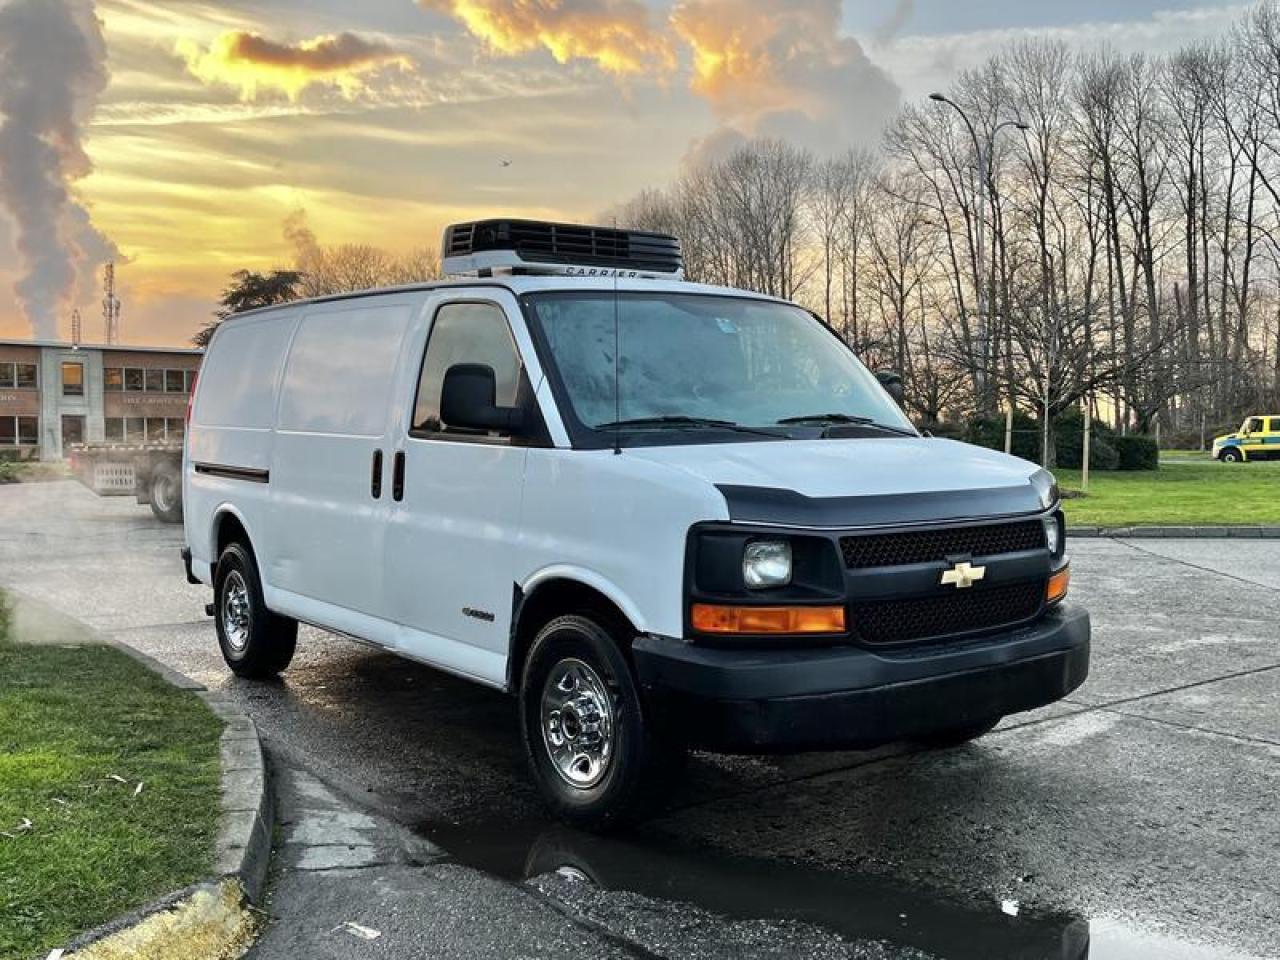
<point>166,493</point>
<point>955,736</point>
<point>255,642</point>
<point>591,753</point>
<point>1231,455</point>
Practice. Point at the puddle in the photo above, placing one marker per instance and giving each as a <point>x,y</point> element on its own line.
<point>853,906</point>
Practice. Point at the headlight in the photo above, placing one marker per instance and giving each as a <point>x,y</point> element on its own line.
<point>766,563</point>
<point>1053,534</point>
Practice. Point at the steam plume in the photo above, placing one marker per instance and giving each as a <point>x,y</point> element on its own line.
<point>52,71</point>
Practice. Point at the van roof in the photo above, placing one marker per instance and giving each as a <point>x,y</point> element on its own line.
<point>519,285</point>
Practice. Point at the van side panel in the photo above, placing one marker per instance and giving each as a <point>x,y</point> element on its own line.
<point>230,438</point>
<point>327,528</point>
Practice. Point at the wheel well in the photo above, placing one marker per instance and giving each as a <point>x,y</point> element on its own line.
<point>555,598</point>
<point>230,530</point>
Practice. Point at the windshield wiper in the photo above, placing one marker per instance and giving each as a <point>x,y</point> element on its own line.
<point>676,421</point>
<point>829,419</point>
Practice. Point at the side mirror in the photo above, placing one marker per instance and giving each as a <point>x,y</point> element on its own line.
<point>892,383</point>
<point>468,401</point>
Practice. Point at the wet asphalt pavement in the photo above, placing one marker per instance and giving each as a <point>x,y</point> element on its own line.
<point>1140,817</point>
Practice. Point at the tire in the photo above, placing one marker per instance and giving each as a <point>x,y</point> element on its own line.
<point>166,493</point>
<point>955,736</point>
<point>593,758</point>
<point>256,643</point>
<point>1231,455</point>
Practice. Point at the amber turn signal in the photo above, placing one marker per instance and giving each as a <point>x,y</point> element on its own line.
<point>713,618</point>
<point>1058,584</point>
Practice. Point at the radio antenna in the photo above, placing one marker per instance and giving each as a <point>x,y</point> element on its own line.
<point>617,362</point>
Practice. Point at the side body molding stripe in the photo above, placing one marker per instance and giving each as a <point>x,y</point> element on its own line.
<point>248,474</point>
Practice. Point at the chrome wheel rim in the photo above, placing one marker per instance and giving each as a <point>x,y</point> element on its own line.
<point>235,612</point>
<point>578,723</point>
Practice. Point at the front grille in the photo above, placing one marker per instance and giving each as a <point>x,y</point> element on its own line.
<point>955,612</point>
<point>935,546</point>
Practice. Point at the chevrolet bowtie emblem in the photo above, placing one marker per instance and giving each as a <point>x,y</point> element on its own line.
<point>963,575</point>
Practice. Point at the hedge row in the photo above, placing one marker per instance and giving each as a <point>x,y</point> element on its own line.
<point>1107,449</point>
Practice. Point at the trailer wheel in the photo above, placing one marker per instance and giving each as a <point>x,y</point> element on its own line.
<point>166,493</point>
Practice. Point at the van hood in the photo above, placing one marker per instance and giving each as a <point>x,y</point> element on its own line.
<point>838,482</point>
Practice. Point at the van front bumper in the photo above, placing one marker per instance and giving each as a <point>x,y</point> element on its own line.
<point>778,700</point>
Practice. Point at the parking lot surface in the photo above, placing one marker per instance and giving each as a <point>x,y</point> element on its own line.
<point>1138,817</point>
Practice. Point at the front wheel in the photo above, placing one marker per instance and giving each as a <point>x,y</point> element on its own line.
<point>255,642</point>
<point>591,754</point>
<point>166,494</point>
<point>1231,455</point>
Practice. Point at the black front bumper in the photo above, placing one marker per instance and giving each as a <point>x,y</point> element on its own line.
<point>756,701</point>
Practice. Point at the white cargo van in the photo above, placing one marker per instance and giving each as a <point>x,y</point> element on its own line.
<point>664,515</point>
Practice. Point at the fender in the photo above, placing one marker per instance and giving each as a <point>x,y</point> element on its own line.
<point>223,509</point>
<point>591,579</point>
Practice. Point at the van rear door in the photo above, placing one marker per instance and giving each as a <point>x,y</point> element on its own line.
<point>452,536</point>
<point>329,476</point>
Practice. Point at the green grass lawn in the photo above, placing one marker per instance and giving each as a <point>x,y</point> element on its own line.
<point>1183,492</point>
<point>71,720</point>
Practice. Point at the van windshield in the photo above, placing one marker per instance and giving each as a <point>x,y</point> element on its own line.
<point>692,360</point>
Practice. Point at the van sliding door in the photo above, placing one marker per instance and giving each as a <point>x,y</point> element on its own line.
<point>329,510</point>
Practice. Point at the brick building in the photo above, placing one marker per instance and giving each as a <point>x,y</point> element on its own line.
<point>52,394</point>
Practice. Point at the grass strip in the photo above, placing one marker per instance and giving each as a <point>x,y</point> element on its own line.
<point>1181,493</point>
<point>80,842</point>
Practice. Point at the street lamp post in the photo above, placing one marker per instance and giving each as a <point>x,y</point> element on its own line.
<point>986,200</point>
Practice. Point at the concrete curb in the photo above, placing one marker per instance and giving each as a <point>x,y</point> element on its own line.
<point>1174,533</point>
<point>213,912</point>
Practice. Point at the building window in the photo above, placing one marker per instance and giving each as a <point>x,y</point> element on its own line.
<point>155,430</point>
<point>133,380</point>
<point>155,381</point>
<point>72,430</point>
<point>113,429</point>
<point>173,381</point>
<point>73,379</point>
<point>23,431</point>
<point>176,428</point>
<point>19,375</point>
<point>112,379</point>
<point>191,380</point>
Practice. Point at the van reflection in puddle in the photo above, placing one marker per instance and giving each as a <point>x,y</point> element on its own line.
<point>852,906</point>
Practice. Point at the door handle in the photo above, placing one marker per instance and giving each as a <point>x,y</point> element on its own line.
<point>375,482</point>
<point>397,477</point>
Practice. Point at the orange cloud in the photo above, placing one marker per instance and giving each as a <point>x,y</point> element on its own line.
<point>251,62</point>
<point>615,34</point>
<point>783,68</point>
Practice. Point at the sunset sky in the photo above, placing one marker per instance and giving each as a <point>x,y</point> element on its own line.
<point>386,119</point>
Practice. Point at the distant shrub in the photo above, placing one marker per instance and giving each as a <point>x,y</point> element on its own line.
<point>990,434</point>
<point>8,471</point>
<point>1069,433</point>
<point>1137,452</point>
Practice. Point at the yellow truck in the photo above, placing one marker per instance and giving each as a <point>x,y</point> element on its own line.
<point>1257,439</point>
